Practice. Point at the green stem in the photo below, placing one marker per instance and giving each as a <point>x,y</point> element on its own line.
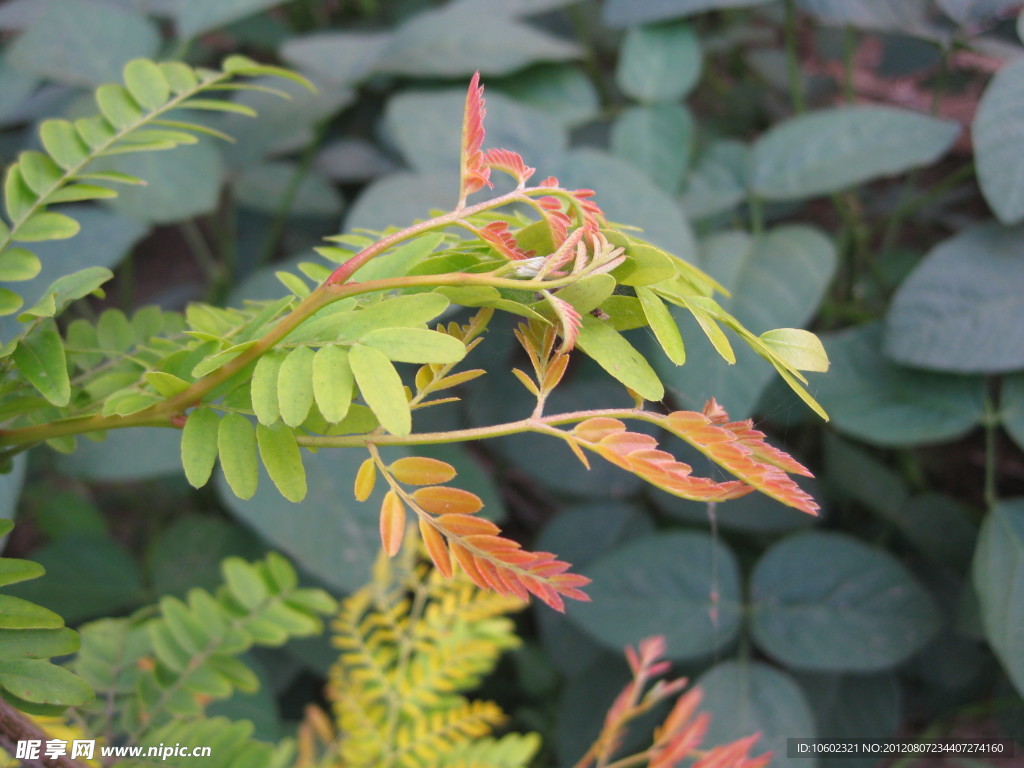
<point>991,420</point>
<point>796,90</point>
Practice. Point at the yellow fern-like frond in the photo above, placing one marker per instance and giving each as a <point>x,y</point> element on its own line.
<point>411,644</point>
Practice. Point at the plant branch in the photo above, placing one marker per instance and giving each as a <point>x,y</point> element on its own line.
<point>15,727</point>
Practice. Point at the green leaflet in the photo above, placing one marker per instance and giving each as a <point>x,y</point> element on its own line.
<point>619,358</point>
<point>41,682</point>
<point>213,362</point>
<point>264,386</point>
<point>46,226</point>
<point>381,387</point>
<point>40,358</point>
<point>415,345</point>
<point>706,320</point>
<point>13,570</point>
<point>349,326</point>
<point>589,293</point>
<point>663,325</point>
<point>16,613</point>
<point>66,289</point>
<point>281,457</point>
<point>62,142</point>
<point>797,348</point>
<point>402,259</point>
<point>236,444</point>
<point>117,105</point>
<point>199,441</point>
<point>332,382</point>
<point>295,386</point>
<point>146,83</point>
<point>38,643</point>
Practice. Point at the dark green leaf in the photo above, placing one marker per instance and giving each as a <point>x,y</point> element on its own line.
<point>746,697</point>
<point>664,584</point>
<point>76,43</point>
<point>879,402</point>
<point>998,137</point>
<point>37,643</point>
<point>833,149</point>
<point>658,140</point>
<point>959,310</point>
<point>624,13</point>
<point>826,601</point>
<point>718,181</point>
<point>999,582</point>
<point>197,16</point>
<point>659,63</point>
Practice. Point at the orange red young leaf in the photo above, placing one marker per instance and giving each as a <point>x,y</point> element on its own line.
<point>569,322</point>
<point>741,449</point>
<point>509,162</point>
<point>475,174</point>
<point>557,219</point>
<point>421,470</point>
<point>638,453</point>
<point>504,242</point>
<point>392,523</point>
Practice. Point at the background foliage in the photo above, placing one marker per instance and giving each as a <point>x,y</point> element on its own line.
<point>853,167</point>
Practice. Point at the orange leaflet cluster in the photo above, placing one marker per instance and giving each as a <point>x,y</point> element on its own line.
<point>735,446</point>
<point>682,731</point>
<point>453,534</point>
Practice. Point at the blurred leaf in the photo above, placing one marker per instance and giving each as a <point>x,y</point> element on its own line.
<point>282,125</point>
<point>350,159</point>
<point>197,16</point>
<point>998,139</point>
<point>855,473</point>
<point>328,534</point>
<point>853,707</point>
<point>882,403</point>
<point>1012,407</point>
<point>87,575</point>
<point>126,454</point>
<point>267,187</point>
<point>827,601</point>
<point>683,585</point>
<point>579,534</point>
<point>960,309</point>
<point>40,358</point>
<point>339,58</point>
<point>41,682</point>
<point>624,13</point>
<point>908,17</point>
<point>939,527</point>
<point>188,552</point>
<point>832,149</point>
<point>999,582</point>
<point>659,63</point>
<point>746,697</point>
<point>10,487</point>
<point>179,184</point>
<point>459,39</point>
<point>562,91</point>
<point>426,127</point>
<point>402,197</point>
<point>83,42</point>
<point>970,12</point>
<point>627,195</point>
<point>776,281</point>
<point>718,181</point>
<point>656,139</point>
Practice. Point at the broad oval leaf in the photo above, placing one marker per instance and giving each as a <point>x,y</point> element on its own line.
<point>658,140</point>
<point>746,697</point>
<point>998,135</point>
<point>382,388</point>
<point>998,574</point>
<point>875,400</point>
<point>659,63</point>
<point>960,309</point>
<point>833,149</point>
<point>683,585</point>
<point>827,601</point>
